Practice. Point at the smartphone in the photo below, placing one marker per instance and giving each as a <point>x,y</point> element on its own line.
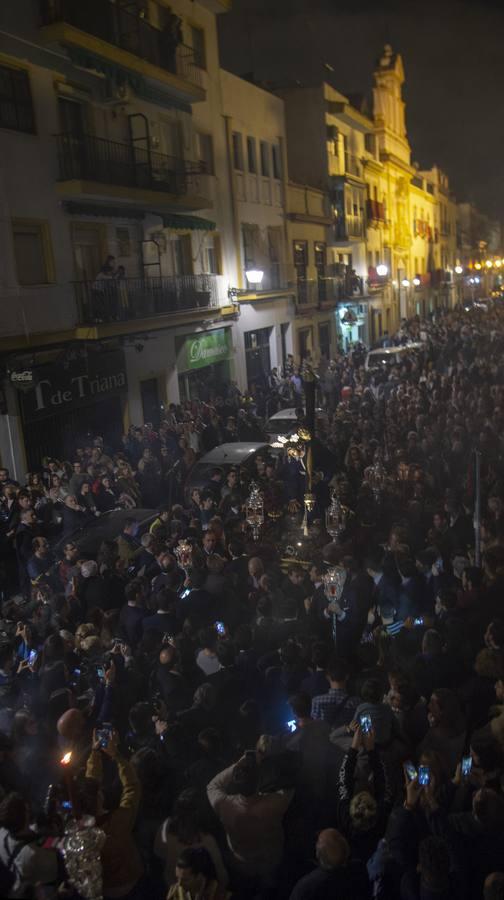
<point>185,593</point>
<point>365,723</point>
<point>66,804</point>
<point>220,628</point>
<point>77,673</point>
<point>466,765</point>
<point>418,621</point>
<point>103,735</point>
<point>32,657</point>
<point>291,725</point>
<point>100,671</point>
<point>424,775</point>
<point>411,771</point>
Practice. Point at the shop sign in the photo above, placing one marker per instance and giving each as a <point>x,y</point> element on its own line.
<point>62,387</point>
<point>200,350</point>
<point>23,379</point>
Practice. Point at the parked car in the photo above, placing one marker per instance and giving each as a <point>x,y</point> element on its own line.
<point>226,456</point>
<point>284,421</point>
<point>106,527</point>
<point>391,356</point>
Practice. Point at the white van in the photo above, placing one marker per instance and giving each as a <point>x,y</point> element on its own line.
<point>391,356</point>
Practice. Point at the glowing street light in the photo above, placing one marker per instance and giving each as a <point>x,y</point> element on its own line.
<point>498,263</point>
<point>458,270</point>
<point>489,264</point>
<point>254,276</point>
<point>477,266</point>
<point>382,270</point>
<point>405,282</point>
<point>416,282</point>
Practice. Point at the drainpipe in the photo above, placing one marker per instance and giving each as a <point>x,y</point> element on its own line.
<point>234,204</point>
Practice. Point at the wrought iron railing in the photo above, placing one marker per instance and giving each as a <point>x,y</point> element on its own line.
<point>110,299</point>
<point>131,32</point>
<point>85,156</point>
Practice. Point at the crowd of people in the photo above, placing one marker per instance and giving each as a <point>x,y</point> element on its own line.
<point>202,700</point>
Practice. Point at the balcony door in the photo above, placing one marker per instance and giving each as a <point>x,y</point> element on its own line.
<point>88,249</point>
<point>71,145</point>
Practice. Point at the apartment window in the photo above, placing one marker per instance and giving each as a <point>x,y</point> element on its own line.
<point>123,242</point>
<point>212,259</point>
<point>198,45</point>
<point>277,166</point>
<point>16,106</point>
<point>250,236</point>
<point>252,155</point>
<point>237,151</point>
<point>205,153</point>
<point>32,251</point>
<point>265,168</point>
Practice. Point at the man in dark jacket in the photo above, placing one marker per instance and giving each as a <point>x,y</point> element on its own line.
<point>336,875</point>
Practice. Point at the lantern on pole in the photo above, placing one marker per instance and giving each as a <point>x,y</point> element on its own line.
<point>254,510</point>
<point>334,582</point>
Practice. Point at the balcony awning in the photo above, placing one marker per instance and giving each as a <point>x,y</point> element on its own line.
<point>92,61</point>
<point>186,223</point>
<point>108,212</point>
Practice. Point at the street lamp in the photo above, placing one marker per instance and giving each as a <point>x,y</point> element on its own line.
<point>458,270</point>
<point>382,270</point>
<point>416,282</point>
<point>254,276</point>
<point>405,282</point>
<point>489,264</point>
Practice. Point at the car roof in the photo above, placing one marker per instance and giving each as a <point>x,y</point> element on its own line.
<point>402,348</point>
<point>104,528</point>
<point>233,453</point>
<point>289,413</point>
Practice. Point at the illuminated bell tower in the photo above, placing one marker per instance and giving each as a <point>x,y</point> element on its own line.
<point>389,106</point>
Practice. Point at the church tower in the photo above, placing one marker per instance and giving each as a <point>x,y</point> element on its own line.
<point>389,106</point>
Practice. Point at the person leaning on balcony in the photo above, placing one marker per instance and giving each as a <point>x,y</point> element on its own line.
<point>103,292</point>
<point>122,291</point>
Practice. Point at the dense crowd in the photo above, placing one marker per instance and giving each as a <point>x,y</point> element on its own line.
<point>199,698</point>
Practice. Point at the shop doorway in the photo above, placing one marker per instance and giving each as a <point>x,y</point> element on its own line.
<point>325,340</point>
<point>203,384</point>
<point>151,404</point>
<point>58,436</point>
<point>257,356</point>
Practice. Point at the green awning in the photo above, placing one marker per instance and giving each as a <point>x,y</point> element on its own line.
<point>186,223</point>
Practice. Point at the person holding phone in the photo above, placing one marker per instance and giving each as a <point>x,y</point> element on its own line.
<point>121,864</point>
<point>362,816</point>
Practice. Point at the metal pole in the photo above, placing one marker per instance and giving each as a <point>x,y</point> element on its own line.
<point>477,508</point>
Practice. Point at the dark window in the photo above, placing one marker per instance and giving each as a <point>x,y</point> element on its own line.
<point>237,151</point>
<point>265,167</point>
<point>198,45</point>
<point>277,163</point>
<point>16,106</point>
<point>252,155</point>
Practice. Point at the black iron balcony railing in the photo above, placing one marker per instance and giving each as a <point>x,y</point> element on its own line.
<point>86,157</point>
<point>107,300</point>
<point>323,291</point>
<point>112,23</point>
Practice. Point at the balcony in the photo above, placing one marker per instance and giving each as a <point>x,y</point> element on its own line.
<point>277,279</point>
<point>94,167</point>
<point>108,31</point>
<point>375,212</point>
<point>319,293</point>
<point>348,228</point>
<point>109,301</point>
<point>353,165</point>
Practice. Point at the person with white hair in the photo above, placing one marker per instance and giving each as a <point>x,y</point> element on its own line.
<point>91,589</point>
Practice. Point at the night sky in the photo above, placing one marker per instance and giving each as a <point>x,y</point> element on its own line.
<point>453,54</point>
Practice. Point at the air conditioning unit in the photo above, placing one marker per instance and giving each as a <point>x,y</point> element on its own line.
<point>117,93</point>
